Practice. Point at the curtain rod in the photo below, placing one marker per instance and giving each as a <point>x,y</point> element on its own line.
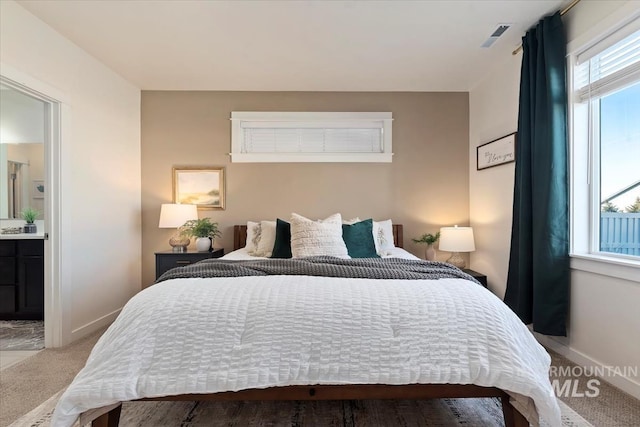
<point>562,12</point>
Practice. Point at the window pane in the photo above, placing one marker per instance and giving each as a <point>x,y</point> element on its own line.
<point>620,171</point>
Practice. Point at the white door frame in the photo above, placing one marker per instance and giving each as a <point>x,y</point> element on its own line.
<point>57,296</point>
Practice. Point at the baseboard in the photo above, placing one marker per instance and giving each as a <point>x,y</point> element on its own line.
<point>97,324</point>
<point>623,383</point>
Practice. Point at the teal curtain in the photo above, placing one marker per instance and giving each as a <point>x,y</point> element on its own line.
<point>538,278</point>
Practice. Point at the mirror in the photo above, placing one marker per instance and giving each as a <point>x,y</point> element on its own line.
<point>22,136</point>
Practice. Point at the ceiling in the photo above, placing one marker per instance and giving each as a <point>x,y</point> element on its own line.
<point>295,45</point>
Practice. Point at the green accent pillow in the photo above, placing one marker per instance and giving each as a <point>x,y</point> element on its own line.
<point>359,239</point>
<point>282,246</point>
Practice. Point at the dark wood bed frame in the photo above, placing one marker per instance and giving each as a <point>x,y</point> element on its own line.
<point>512,417</point>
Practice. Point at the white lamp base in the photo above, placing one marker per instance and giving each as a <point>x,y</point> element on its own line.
<point>457,260</point>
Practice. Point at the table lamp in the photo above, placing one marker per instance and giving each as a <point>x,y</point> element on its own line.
<point>457,239</point>
<point>174,216</point>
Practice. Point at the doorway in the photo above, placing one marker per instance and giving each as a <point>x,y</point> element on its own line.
<point>29,179</point>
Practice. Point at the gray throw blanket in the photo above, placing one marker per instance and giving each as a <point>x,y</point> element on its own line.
<point>361,268</point>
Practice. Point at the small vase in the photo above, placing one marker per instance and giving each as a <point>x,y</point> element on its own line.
<point>203,244</point>
<point>430,253</point>
<point>30,228</point>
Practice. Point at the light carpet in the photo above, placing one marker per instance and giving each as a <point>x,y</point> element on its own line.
<point>435,412</point>
<point>31,381</point>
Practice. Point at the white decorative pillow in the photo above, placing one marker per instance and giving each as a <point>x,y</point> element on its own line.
<point>317,238</point>
<point>383,236</point>
<point>351,221</point>
<point>267,239</point>
<point>254,232</point>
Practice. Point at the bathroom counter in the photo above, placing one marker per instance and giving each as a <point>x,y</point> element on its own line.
<point>23,236</point>
<point>6,223</point>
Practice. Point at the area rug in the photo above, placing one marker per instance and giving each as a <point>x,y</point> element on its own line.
<point>350,413</point>
<point>21,335</point>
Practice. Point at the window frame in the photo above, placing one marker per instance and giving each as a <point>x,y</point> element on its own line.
<point>584,168</point>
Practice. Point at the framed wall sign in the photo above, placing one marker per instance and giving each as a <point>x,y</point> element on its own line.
<point>200,186</point>
<point>496,152</point>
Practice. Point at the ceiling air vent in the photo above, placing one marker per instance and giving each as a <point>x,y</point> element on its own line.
<point>500,30</point>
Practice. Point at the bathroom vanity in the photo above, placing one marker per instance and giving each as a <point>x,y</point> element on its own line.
<point>22,277</point>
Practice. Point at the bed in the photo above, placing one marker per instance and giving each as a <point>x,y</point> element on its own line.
<point>270,343</point>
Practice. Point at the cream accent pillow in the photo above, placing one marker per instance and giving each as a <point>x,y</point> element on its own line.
<point>267,239</point>
<point>383,236</point>
<point>317,238</point>
<point>351,221</point>
<point>254,232</point>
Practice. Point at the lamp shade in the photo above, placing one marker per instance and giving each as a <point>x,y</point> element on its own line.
<point>457,239</point>
<point>174,216</point>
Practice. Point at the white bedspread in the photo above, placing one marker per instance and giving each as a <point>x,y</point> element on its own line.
<point>212,335</point>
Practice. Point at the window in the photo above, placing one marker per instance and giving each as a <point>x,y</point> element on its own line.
<point>310,137</point>
<point>606,146</point>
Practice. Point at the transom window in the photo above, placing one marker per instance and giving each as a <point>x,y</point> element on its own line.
<point>310,137</point>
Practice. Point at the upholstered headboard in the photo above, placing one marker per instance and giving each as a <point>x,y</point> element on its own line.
<point>240,236</point>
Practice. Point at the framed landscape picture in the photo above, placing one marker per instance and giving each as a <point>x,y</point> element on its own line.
<point>200,186</point>
<point>496,152</point>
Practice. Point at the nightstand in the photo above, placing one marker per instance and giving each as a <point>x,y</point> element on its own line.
<point>166,260</point>
<point>478,276</point>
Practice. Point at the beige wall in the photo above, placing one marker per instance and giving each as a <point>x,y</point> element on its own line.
<point>493,113</point>
<point>426,186</point>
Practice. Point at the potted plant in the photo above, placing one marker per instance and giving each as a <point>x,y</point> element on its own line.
<point>203,230</point>
<point>428,239</point>
<point>30,215</point>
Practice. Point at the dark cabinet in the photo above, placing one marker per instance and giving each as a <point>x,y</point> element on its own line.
<point>7,270</point>
<point>167,260</point>
<point>21,279</point>
<point>7,300</point>
<point>31,285</point>
<point>478,276</point>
